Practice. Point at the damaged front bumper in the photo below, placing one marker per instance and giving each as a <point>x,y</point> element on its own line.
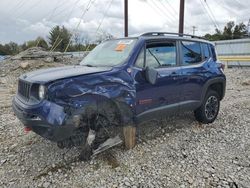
<point>47,119</point>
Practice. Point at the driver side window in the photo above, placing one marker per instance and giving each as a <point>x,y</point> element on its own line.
<point>161,55</point>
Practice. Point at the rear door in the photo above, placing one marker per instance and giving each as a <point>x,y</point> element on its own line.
<point>194,58</point>
<point>162,56</point>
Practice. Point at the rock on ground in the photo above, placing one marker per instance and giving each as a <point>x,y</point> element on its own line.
<point>172,152</point>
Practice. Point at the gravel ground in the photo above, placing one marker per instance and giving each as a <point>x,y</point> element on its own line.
<point>174,152</point>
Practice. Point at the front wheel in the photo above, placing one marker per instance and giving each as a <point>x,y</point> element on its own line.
<point>209,109</point>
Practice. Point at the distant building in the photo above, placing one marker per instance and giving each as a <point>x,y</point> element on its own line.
<point>236,47</point>
<point>236,51</point>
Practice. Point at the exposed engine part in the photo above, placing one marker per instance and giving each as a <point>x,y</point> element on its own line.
<point>87,152</point>
<point>73,141</point>
<point>76,120</point>
<point>91,137</point>
<point>78,139</point>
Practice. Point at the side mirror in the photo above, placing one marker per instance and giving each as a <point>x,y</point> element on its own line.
<point>151,75</point>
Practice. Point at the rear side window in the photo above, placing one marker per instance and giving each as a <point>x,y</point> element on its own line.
<point>161,55</point>
<point>213,52</point>
<point>206,50</point>
<point>191,52</point>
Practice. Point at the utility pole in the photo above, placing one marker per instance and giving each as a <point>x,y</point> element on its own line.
<point>194,29</point>
<point>181,16</point>
<point>126,18</point>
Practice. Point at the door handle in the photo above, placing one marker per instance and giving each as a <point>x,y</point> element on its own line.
<point>174,75</point>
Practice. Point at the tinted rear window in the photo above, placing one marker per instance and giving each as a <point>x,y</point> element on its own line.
<point>213,52</point>
<point>206,50</point>
<point>191,52</point>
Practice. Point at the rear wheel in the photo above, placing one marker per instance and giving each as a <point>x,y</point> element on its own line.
<point>209,109</point>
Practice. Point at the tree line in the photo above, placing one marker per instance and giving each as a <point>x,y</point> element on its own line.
<point>59,39</point>
<point>230,31</point>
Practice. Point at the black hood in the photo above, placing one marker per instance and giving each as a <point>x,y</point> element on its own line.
<point>47,75</point>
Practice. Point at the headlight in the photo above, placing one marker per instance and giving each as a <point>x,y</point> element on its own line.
<point>41,92</point>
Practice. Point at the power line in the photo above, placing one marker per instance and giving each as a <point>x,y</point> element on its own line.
<point>18,4</point>
<point>169,4</point>
<point>56,43</point>
<point>239,3</point>
<point>203,6</point>
<point>170,13</point>
<point>211,13</point>
<point>16,8</point>
<point>157,11</point>
<point>175,13</point>
<point>54,10</point>
<point>49,17</point>
<point>162,12</point>
<point>80,21</point>
<point>104,16</point>
<point>21,5</point>
<point>32,6</point>
<point>160,9</point>
<point>70,12</point>
<point>229,10</point>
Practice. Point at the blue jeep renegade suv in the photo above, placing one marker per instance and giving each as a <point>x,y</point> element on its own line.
<point>123,82</point>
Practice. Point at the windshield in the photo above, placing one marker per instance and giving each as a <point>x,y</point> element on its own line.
<point>109,53</point>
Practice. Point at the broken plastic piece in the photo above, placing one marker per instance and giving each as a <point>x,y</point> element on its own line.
<point>109,143</point>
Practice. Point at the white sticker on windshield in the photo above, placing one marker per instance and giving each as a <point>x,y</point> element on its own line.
<point>125,42</point>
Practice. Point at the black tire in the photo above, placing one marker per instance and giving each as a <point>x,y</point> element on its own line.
<point>209,109</point>
<point>86,153</point>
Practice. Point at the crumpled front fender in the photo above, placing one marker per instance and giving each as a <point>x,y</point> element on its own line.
<point>81,92</point>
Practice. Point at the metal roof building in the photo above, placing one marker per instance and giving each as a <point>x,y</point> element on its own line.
<point>236,47</point>
<point>234,52</point>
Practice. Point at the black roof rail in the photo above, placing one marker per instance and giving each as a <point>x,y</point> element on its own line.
<point>169,33</point>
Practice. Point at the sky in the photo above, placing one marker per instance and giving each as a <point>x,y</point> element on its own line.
<point>23,20</point>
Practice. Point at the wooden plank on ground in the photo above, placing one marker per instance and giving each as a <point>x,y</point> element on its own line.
<point>129,133</point>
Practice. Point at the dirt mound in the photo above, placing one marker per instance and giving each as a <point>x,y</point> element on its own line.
<point>35,58</point>
<point>27,61</point>
<point>38,53</point>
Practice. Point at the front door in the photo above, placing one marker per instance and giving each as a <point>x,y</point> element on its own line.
<point>165,93</point>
